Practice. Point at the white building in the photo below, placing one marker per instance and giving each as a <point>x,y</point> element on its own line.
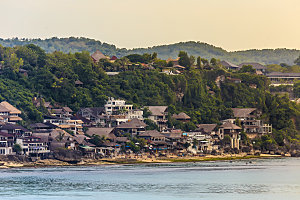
<point>6,143</point>
<point>116,106</point>
<point>32,146</point>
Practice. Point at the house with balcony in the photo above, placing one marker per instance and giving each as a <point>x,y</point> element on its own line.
<point>16,130</point>
<point>33,146</point>
<point>250,122</point>
<point>9,113</point>
<point>159,114</point>
<point>233,131</point>
<point>93,114</point>
<point>134,127</point>
<point>6,144</point>
<point>72,124</point>
<point>117,106</point>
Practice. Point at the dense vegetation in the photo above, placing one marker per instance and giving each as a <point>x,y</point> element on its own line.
<point>72,44</point>
<point>195,91</point>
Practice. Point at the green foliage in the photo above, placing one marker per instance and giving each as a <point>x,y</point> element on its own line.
<point>194,92</point>
<point>72,44</point>
<point>97,140</point>
<point>283,68</point>
<point>226,141</point>
<point>151,125</point>
<point>184,59</point>
<point>17,148</point>
<point>296,89</point>
<point>247,68</point>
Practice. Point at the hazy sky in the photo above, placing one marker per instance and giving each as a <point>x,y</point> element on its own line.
<point>230,24</point>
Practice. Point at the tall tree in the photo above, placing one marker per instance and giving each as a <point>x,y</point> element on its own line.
<point>184,59</point>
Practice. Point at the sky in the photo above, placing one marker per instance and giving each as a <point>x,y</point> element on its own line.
<point>230,24</point>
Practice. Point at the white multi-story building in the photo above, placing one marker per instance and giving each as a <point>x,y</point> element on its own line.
<point>116,106</point>
<point>6,143</point>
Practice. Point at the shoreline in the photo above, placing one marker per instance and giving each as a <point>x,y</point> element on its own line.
<point>123,161</point>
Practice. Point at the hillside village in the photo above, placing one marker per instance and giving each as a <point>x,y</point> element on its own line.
<point>119,129</point>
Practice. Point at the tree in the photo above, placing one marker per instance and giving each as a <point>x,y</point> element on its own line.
<point>154,56</point>
<point>213,62</point>
<point>17,148</point>
<point>184,59</point>
<point>192,60</point>
<point>247,68</point>
<point>199,64</point>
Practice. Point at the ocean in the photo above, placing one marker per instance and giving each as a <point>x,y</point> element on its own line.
<point>255,179</point>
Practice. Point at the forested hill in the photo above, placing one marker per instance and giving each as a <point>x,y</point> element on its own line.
<point>72,44</point>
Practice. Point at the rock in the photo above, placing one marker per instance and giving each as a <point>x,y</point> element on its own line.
<point>67,155</point>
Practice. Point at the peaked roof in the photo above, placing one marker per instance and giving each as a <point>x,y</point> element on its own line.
<point>151,133</point>
<point>182,116</point>
<point>229,125</point>
<point>228,64</point>
<point>78,82</point>
<point>134,123</point>
<point>97,56</point>
<point>39,126</point>
<point>242,112</point>
<point>107,132</point>
<point>254,65</point>
<point>67,109</point>
<point>157,110</point>
<point>12,109</point>
<point>94,111</point>
<point>13,127</point>
<point>3,109</point>
<point>207,127</point>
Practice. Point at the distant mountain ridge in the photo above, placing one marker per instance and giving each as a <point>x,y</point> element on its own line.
<point>73,44</point>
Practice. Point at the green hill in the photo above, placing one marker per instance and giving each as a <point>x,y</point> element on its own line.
<point>72,44</point>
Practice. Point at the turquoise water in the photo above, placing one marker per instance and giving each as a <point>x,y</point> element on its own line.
<point>274,179</point>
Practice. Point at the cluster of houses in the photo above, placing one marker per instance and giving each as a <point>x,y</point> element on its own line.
<point>115,125</point>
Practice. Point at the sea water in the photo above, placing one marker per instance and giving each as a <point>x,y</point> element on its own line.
<point>265,179</point>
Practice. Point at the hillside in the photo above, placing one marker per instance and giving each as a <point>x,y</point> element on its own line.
<point>53,76</point>
<point>72,44</point>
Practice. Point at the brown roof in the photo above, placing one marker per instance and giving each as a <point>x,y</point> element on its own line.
<point>80,139</point>
<point>3,109</point>
<point>6,134</point>
<point>11,108</point>
<point>43,136</point>
<point>280,74</point>
<point>157,110</point>
<point>134,123</point>
<point>229,125</point>
<point>254,65</point>
<point>242,112</point>
<point>67,109</point>
<point>229,65</point>
<point>181,116</point>
<point>151,133</point>
<point>97,56</point>
<point>207,127</point>
<point>122,139</point>
<point>78,82</point>
<point>107,132</point>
